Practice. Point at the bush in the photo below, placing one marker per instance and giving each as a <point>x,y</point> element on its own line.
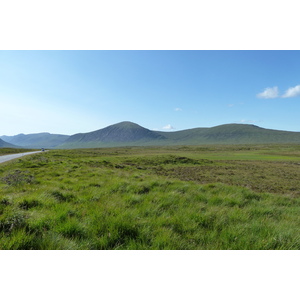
<point>27,204</point>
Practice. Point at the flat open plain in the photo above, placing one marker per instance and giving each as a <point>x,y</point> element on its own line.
<point>180,197</point>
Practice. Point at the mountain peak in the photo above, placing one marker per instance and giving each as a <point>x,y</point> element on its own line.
<point>123,133</point>
<point>126,125</point>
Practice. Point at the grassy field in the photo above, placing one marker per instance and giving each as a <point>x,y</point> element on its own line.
<point>210,197</point>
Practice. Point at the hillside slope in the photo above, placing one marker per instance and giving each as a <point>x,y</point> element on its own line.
<point>231,134</point>
<point>4,144</point>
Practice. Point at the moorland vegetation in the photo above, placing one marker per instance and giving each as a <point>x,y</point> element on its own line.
<point>179,197</point>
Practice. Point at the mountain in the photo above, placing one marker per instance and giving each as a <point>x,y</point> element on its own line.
<point>4,144</point>
<point>36,140</point>
<point>131,134</point>
<point>121,134</point>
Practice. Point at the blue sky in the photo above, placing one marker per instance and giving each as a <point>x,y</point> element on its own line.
<point>80,91</point>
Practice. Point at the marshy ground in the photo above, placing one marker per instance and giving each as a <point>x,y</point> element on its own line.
<point>214,197</point>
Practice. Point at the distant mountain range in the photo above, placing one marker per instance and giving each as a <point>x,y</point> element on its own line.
<point>131,134</point>
<point>35,140</point>
<point>4,144</point>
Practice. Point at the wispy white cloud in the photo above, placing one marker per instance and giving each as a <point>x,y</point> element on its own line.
<point>292,92</point>
<point>273,92</point>
<point>178,109</point>
<point>269,93</point>
<point>168,127</point>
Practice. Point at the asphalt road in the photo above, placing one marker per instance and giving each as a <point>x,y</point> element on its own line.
<point>8,157</point>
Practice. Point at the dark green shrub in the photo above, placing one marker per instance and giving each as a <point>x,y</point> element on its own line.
<point>5,201</point>
<point>11,221</point>
<point>27,204</point>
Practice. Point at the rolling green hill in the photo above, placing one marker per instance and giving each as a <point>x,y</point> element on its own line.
<point>231,134</point>
<point>131,134</point>
<point>36,140</point>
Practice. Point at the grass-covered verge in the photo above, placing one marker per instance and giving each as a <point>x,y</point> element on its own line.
<point>5,151</point>
<point>137,198</point>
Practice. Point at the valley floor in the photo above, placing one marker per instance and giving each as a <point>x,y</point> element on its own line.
<point>183,197</point>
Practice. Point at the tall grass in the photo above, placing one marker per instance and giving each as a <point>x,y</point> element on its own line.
<point>96,199</point>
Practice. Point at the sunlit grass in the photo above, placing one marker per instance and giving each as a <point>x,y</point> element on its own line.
<point>145,198</point>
